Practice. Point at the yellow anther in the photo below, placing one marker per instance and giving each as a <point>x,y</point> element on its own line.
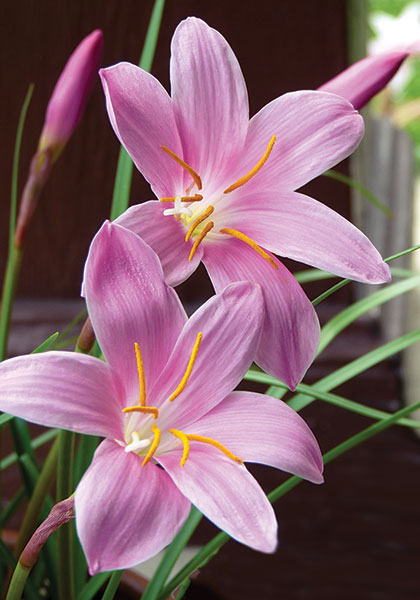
<point>153,447</point>
<point>199,220</point>
<point>187,437</point>
<point>187,373</point>
<point>184,440</point>
<point>195,198</point>
<point>254,245</point>
<point>147,410</point>
<point>142,380</point>
<point>200,238</point>
<point>254,171</point>
<point>190,170</point>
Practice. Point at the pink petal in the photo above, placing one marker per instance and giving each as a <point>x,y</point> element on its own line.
<point>226,493</point>
<point>141,114</point>
<point>125,513</point>
<point>128,301</point>
<point>166,236</point>
<point>210,98</point>
<point>299,227</point>
<point>291,330</point>
<point>62,389</point>
<point>314,132</point>
<point>365,78</point>
<point>230,324</point>
<point>264,430</point>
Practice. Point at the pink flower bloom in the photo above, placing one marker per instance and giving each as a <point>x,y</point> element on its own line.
<point>226,184</point>
<point>175,432</point>
<point>71,92</point>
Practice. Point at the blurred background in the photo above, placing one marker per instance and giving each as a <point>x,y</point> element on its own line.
<point>358,535</point>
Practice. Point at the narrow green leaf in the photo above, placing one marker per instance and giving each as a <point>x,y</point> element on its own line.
<point>46,344</point>
<point>5,418</point>
<point>12,507</point>
<point>308,275</point>
<point>403,253</point>
<point>113,584</point>
<point>94,585</point>
<point>361,189</point>
<point>171,555</point>
<point>124,173</point>
<point>39,441</point>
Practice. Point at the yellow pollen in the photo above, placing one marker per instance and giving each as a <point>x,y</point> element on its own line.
<point>195,198</point>
<point>254,171</point>
<point>142,380</point>
<point>154,445</point>
<point>148,410</point>
<point>187,373</point>
<point>200,238</point>
<point>254,245</point>
<point>184,440</point>
<point>190,170</point>
<point>187,437</point>
<point>199,220</point>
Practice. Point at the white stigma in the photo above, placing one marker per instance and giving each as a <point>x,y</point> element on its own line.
<point>178,209</point>
<point>137,443</point>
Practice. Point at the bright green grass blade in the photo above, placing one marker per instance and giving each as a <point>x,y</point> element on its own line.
<point>361,189</point>
<point>171,555</point>
<point>94,585</point>
<point>122,185</point>
<point>356,367</point>
<point>46,344</point>
<point>359,308</point>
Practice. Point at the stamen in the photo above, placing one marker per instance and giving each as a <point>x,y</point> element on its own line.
<point>187,437</point>
<point>254,245</point>
<point>148,410</point>
<point>187,374</point>
<point>153,447</point>
<point>190,170</point>
<point>254,171</point>
<point>184,440</point>
<point>199,220</point>
<point>195,198</point>
<point>142,380</point>
<point>200,238</point>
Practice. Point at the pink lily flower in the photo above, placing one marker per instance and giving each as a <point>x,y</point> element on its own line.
<point>226,184</point>
<point>175,432</point>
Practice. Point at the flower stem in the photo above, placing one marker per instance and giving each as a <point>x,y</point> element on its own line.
<point>112,586</point>
<point>66,441</point>
<point>20,575</point>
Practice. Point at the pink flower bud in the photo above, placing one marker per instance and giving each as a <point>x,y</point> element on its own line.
<point>71,93</point>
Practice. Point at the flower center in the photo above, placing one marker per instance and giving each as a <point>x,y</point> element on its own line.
<point>139,444</point>
<point>195,220</point>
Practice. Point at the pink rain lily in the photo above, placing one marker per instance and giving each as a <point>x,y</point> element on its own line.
<point>175,432</point>
<point>226,184</point>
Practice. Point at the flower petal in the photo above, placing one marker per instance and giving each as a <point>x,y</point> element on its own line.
<point>210,98</point>
<point>128,301</point>
<point>365,78</point>
<point>166,236</point>
<point>299,227</point>
<point>264,430</point>
<point>314,132</point>
<point>62,389</point>
<point>226,493</point>
<point>291,330</point>
<point>125,513</point>
<point>141,114</point>
<point>230,324</point>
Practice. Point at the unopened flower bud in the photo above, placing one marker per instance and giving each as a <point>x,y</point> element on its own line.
<point>71,93</point>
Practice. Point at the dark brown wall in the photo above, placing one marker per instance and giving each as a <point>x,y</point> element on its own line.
<point>281,46</point>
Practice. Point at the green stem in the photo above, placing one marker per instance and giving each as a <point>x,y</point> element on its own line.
<point>212,547</point>
<point>171,555</point>
<point>37,500</point>
<point>112,586</point>
<point>20,575</point>
<point>65,533</point>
